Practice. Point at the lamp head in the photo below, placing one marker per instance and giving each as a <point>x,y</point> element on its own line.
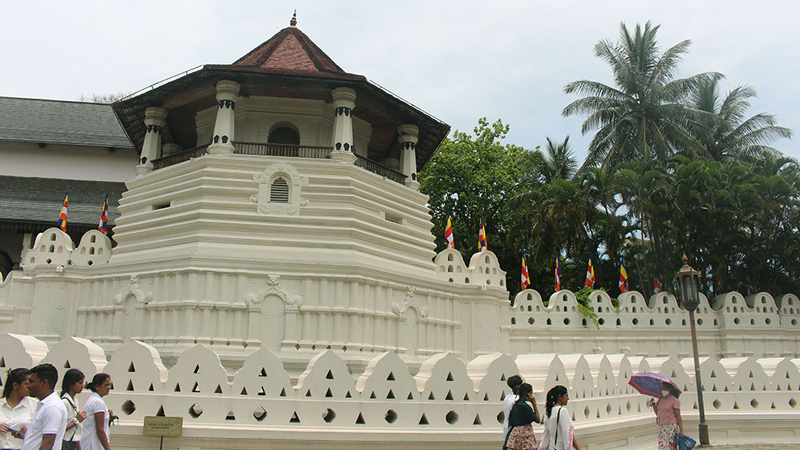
<point>688,280</point>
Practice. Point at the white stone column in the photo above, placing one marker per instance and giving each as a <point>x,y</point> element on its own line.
<point>343,104</point>
<point>155,119</point>
<point>408,135</point>
<point>227,95</point>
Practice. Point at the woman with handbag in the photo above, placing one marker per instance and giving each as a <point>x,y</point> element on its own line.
<point>95,427</point>
<point>668,417</point>
<point>520,431</point>
<point>72,385</point>
<point>559,432</point>
<point>17,409</point>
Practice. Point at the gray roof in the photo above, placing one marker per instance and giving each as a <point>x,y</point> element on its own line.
<point>39,200</point>
<point>60,122</point>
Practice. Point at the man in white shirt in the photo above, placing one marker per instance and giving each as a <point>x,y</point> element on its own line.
<point>513,382</point>
<point>47,429</point>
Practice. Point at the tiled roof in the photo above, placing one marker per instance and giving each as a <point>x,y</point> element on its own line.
<point>290,50</point>
<point>39,200</point>
<point>60,122</point>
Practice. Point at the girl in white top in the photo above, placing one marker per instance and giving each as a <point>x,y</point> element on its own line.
<point>16,408</point>
<point>95,427</point>
<point>558,431</point>
<point>72,385</point>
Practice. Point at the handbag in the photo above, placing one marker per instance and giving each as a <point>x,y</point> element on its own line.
<point>685,442</point>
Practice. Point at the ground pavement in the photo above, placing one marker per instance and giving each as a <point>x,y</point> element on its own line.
<point>753,446</point>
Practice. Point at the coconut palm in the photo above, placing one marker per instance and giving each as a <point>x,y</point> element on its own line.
<point>644,115</point>
<point>729,136</point>
<point>559,163</point>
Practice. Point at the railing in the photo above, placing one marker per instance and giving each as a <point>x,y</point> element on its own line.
<point>295,151</point>
<point>180,157</point>
<point>380,169</point>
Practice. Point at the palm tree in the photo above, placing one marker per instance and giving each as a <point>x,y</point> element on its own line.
<point>559,163</point>
<point>729,136</point>
<point>643,116</point>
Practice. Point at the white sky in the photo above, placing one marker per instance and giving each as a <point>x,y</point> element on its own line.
<point>458,60</point>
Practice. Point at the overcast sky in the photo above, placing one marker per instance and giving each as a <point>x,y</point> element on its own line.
<point>457,60</point>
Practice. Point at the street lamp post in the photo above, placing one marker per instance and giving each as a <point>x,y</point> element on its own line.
<point>688,278</point>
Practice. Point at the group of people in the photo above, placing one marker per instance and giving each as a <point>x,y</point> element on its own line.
<point>55,421</point>
<point>521,412</point>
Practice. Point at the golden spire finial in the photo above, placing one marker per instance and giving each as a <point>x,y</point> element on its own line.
<point>293,22</point>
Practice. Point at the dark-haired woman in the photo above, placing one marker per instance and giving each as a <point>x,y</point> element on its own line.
<point>559,432</point>
<point>16,408</point>
<point>668,417</point>
<point>520,431</point>
<point>72,385</point>
<point>95,427</point>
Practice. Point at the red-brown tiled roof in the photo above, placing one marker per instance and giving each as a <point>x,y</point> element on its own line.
<point>290,50</point>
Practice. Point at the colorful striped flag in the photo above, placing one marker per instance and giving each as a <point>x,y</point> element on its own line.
<point>623,277</point>
<point>590,276</point>
<point>448,234</point>
<point>558,274</point>
<point>482,246</point>
<point>526,279</point>
<point>103,225</point>
<point>658,282</point>
<point>62,216</point>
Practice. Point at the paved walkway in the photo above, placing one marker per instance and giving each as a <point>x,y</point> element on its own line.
<point>754,446</point>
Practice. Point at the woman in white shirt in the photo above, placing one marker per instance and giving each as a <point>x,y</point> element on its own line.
<point>558,428</point>
<point>95,427</point>
<point>72,385</point>
<point>16,409</point>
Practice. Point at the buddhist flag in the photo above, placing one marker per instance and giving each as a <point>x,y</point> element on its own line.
<point>590,276</point>
<point>482,247</point>
<point>526,279</point>
<point>558,274</point>
<point>103,225</point>
<point>623,277</point>
<point>62,216</point>
<point>448,234</point>
<point>658,282</point>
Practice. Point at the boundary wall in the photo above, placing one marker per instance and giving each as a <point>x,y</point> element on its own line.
<point>446,404</point>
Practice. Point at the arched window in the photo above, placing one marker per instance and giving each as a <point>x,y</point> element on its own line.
<point>284,133</point>
<point>279,191</point>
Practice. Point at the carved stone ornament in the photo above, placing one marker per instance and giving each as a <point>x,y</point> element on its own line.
<point>293,179</point>
<point>399,309</point>
<point>273,287</point>
<point>133,289</point>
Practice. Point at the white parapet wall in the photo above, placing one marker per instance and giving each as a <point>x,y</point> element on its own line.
<point>446,404</point>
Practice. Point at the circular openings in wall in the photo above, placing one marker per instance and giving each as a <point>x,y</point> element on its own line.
<point>586,412</point>
<point>195,410</point>
<point>601,321</point>
<point>794,321</point>
<point>391,416</point>
<point>500,417</point>
<point>451,417</point>
<point>531,320</point>
<point>717,404</point>
<point>754,403</point>
<point>768,321</point>
<point>736,320</point>
<point>329,415</point>
<point>128,407</point>
<point>566,320</point>
<point>608,409</point>
<point>668,321</point>
<point>260,413</point>
<point>635,321</point>
<point>793,403</point>
<point>699,321</point>
<point>628,406</point>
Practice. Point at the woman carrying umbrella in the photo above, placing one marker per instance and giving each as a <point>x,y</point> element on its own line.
<point>668,417</point>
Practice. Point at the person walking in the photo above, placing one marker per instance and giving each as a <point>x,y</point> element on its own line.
<point>95,427</point>
<point>48,425</point>
<point>513,382</point>
<point>559,432</point>
<point>520,435</point>
<point>668,417</point>
<point>72,385</point>
<point>17,409</point>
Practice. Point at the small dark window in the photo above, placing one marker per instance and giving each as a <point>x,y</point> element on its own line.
<point>279,191</point>
<point>284,135</point>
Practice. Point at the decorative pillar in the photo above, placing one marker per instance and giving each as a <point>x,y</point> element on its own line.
<point>408,135</point>
<point>343,104</point>
<point>155,119</point>
<point>227,95</point>
<point>168,149</point>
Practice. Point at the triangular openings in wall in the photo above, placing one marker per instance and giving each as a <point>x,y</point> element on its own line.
<point>390,377</point>
<point>502,395</point>
<point>263,372</point>
<point>3,363</point>
<point>714,388</point>
<point>477,420</point>
<point>329,376</point>
<point>449,395</point>
<point>348,395</point>
<point>673,374</point>
<point>502,378</point>
<point>308,393</point>
<point>66,365</point>
<point>752,387</point>
<point>466,396</point>
<point>735,405</point>
<point>177,387</point>
<point>638,408</point>
<point>787,373</point>
<point>197,369</point>
<point>283,392</point>
<point>390,395</point>
<point>262,392</point>
<point>196,387</point>
<point>360,420</point>
<point>556,377</point>
<point>372,395</point>
<point>160,412</point>
<point>130,386</point>
<point>423,420</point>
<point>779,387</point>
<point>244,391</point>
<point>295,418</point>
<point>329,394</point>
<point>151,389</point>
<point>449,376</point>
<point>410,396</point>
<point>131,368</point>
<point>486,397</point>
<point>713,374</point>
<point>230,415</point>
<point>740,387</point>
<point>773,406</point>
<point>751,375</point>
<point>431,396</point>
<point>218,390</point>
<point>694,406</point>
<point>725,389</point>
<point>583,377</point>
<point>619,411</point>
<point>598,413</point>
